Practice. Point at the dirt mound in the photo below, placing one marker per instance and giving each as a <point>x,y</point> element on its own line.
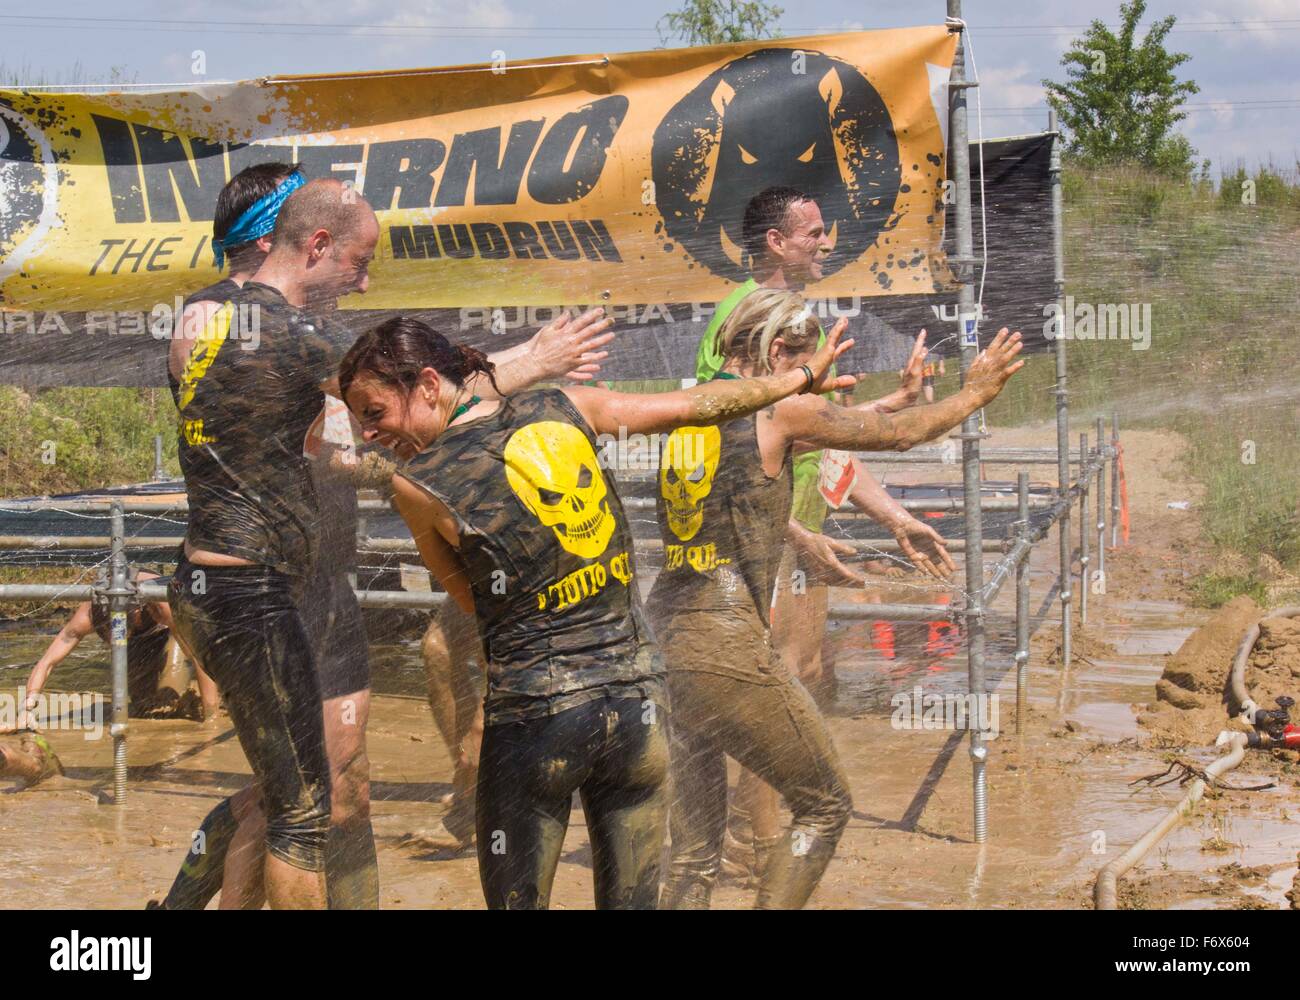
<point>1191,704</point>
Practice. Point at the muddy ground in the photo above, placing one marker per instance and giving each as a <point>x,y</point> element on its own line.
<point>1062,797</point>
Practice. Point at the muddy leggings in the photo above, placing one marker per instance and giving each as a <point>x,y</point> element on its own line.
<point>613,752</point>
<point>242,625</point>
<point>764,719</point>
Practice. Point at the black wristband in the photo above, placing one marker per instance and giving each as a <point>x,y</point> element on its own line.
<point>808,372</point>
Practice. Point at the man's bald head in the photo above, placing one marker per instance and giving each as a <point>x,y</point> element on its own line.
<point>326,204</point>
<point>324,240</point>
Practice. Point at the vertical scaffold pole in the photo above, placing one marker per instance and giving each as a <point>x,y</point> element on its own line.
<point>159,470</point>
<point>1022,609</point>
<point>1084,534</point>
<point>119,593</point>
<point>1062,398</point>
<point>1114,480</point>
<point>959,140</point>
<point>1101,502</point>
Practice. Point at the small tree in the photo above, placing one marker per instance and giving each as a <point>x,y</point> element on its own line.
<point>1121,100</point>
<point>716,22</point>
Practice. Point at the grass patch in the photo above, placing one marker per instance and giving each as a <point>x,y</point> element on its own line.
<point>1214,590</point>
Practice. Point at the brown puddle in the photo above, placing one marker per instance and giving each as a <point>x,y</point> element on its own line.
<point>1060,802</point>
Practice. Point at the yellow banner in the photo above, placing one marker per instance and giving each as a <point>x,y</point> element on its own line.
<point>618,179</point>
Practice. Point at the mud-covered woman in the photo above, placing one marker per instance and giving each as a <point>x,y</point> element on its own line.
<point>725,497</point>
<point>512,512</point>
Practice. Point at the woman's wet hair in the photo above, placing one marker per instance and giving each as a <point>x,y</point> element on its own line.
<point>762,316</point>
<point>397,350</point>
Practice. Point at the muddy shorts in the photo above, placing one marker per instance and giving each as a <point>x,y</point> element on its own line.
<point>243,626</point>
<point>333,619</point>
<point>613,752</point>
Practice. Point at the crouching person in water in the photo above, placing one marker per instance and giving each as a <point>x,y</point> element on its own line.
<point>511,511</point>
<point>725,497</point>
<point>158,671</point>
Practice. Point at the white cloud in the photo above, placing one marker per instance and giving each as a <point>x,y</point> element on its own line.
<point>1253,34</point>
<point>1011,86</point>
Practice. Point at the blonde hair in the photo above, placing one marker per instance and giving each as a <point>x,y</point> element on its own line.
<point>762,316</point>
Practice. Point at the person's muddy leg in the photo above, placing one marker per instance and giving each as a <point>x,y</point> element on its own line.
<point>753,825</point>
<point>177,669</point>
<point>435,653</point>
<point>246,630</point>
<point>780,735</point>
<point>759,800</point>
<point>468,689</point>
<point>209,695</point>
<point>625,803</point>
<point>697,814</point>
<point>351,864</point>
<point>203,869</point>
<point>242,886</point>
<point>529,772</point>
<point>456,700</point>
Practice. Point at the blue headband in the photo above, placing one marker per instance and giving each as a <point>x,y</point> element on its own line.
<point>258,219</point>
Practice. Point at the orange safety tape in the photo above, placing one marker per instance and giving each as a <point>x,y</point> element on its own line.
<point>882,638</point>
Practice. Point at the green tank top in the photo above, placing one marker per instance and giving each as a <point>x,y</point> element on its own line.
<point>549,554</point>
<point>722,520</point>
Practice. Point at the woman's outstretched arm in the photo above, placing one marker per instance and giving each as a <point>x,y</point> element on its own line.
<point>813,420</point>
<point>711,403</point>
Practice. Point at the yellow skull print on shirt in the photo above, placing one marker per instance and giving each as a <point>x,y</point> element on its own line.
<point>552,468</point>
<point>686,470</point>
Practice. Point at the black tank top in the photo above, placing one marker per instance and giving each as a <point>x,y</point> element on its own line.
<point>250,390</point>
<point>722,520</point>
<point>337,550</point>
<point>548,549</point>
<point>218,292</point>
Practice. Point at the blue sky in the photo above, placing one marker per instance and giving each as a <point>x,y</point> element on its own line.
<point>1243,51</point>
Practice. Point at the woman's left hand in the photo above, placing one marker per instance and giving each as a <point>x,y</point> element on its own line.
<point>826,356</point>
<point>571,347</point>
<point>912,374</point>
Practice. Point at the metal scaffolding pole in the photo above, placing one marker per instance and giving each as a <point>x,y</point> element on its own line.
<point>964,261</point>
<point>1114,479</point>
<point>1101,504</point>
<point>1085,477</point>
<point>121,596</point>
<point>1022,608</point>
<point>1062,397</point>
<point>159,470</point>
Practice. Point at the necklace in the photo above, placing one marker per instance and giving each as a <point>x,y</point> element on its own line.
<point>464,408</point>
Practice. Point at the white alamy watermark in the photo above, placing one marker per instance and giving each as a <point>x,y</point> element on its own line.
<point>67,711</point>
<point>75,953</point>
<point>933,710</point>
<point>636,452</point>
<point>1129,321</point>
